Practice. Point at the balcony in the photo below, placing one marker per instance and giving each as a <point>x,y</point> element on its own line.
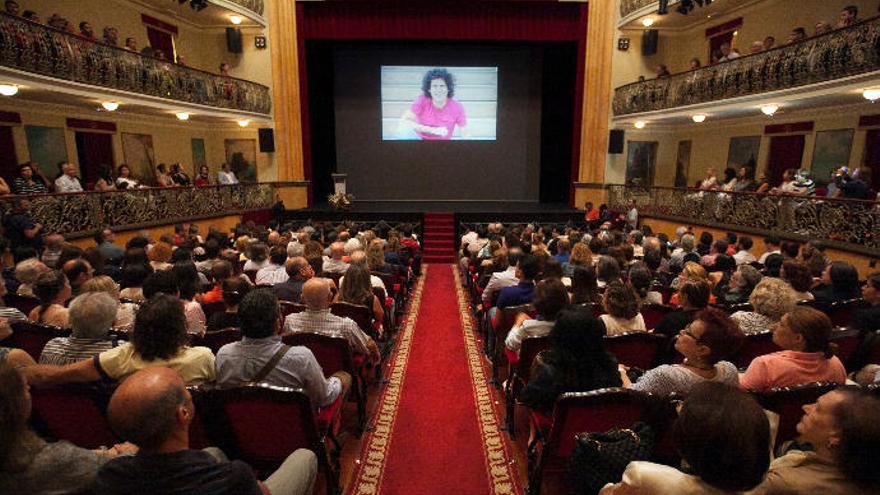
<point>249,6</point>
<point>849,224</point>
<point>843,56</point>
<point>38,54</point>
<point>630,7</point>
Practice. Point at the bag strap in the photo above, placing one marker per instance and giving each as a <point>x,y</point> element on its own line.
<point>269,366</point>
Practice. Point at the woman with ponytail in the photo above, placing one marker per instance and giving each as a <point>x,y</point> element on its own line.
<point>52,289</point>
<point>804,335</point>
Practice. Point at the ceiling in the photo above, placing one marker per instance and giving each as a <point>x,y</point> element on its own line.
<point>675,21</point>
<point>212,16</point>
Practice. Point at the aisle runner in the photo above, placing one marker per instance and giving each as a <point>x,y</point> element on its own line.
<point>437,427</point>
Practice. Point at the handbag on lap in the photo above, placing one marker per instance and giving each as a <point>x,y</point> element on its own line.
<point>601,458</point>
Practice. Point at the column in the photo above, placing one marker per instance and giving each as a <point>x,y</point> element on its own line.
<point>285,89</point>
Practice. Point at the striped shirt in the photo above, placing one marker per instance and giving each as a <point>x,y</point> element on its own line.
<point>21,186</point>
<point>67,350</point>
<point>324,322</point>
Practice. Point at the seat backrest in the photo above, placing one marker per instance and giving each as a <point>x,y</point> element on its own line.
<point>288,308</point>
<point>789,403</point>
<point>32,337</point>
<point>213,307</point>
<point>216,340</point>
<point>25,304</point>
<point>845,343</point>
<point>653,313</point>
<point>530,348</point>
<point>332,353</point>
<point>841,312</point>
<point>263,424</point>
<point>387,279</point>
<point>334,276</point>
<point>755,345</point>
<point>636,349</point>
<point>506,316</point>
<point>74,412</point>
<point>361,315</point>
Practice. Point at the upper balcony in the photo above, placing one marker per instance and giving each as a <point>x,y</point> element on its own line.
<point>211,12</point>
<point>633,11</point>
<point>39,56</point>
<point>838,59</point>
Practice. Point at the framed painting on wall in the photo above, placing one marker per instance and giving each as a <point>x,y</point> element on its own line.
<point>241,155</point>
<point>831,151</point>
<point>47,147</point>
<point>640,160</point>
<point>199,157</point>
<point>683,163</point>
<point>743,152</point>
<point>139,155</point>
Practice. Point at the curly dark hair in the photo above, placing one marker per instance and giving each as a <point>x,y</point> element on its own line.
<point>438,74</point>
<point>159,328</point>
<point>621,300</point>
<point>721,334</point>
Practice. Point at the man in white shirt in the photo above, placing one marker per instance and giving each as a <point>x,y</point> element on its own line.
<point>728,53</point>
<point>226,175</point>
<point>274,272</point>
<point>67,182</point>
<point>771,246</point>
<point>507,278</point>
<point>743,256</point>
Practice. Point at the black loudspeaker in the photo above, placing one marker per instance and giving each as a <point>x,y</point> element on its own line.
<point>267,140</point>
<point>233,40</point>
<point>615,142</point>
<point>650,39</point>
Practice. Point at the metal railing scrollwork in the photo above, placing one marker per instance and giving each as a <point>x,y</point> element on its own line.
<point>627,7</point>
<point>81,214</point>
<point>848,224</point>
<point>255,6</point>
<point>40,49</point>
<point>844,52</point>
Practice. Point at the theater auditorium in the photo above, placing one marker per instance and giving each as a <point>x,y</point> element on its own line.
<point>482,247</point>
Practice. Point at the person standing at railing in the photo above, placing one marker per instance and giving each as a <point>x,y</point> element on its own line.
<point>68,182</point>
<point>848,16</point>
<point>12,7</point>
<point>162,177</point>
<point>178,176</point>
<point>226,176</point>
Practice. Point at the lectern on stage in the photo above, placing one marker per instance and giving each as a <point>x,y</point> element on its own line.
<point>339,183</point>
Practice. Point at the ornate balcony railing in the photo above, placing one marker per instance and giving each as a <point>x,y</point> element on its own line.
<point>255,6</point>
<point>627,7</point>
<point>845,52</point>
<point>848,224</point>
<point>40,49</point>
<point>81,214</point>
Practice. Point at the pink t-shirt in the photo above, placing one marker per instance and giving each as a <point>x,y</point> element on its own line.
<point>449,116</point>
<point>788,368</point>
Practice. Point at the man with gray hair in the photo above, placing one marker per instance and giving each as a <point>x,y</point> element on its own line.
<point>335,263</point>
<point>91,315</point>
<point>26,272</point>
<point>687,246</point>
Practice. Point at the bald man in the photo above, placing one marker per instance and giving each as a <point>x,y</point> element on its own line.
<point>335,263</point>
<point>317,318</point>
<point>298,271</point>
<point>153,410</point>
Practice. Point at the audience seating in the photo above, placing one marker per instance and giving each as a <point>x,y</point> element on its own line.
<point>361,315</point>
<point>217,339</point>
<point>841,312</point>
<point>25,304</point>
<point>498,330</point>
<point>288,308</point>
<point>753,346</point>
<point>198,431</point>
<point>518,375</point>
<point>789,403</point>
<point>252,275</point>
<point>74,412</point>
<point>653,313</point>
<point>213,307</point>
<point>32,337</point>
<point>636,349</point>
<point>845,343</point>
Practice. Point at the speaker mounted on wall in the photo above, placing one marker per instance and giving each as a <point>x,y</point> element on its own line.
<point>650,40</point>
<point>615,141</point>
<point>267,139</point>
<point>233,40</point>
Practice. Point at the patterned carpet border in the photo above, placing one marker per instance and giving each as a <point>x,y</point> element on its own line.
<point>501,480</point>
<point>374,455</point>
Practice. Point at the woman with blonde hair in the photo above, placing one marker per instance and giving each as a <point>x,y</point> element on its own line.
<point>771,299</point>
<point>580,256</point>
<point>692,271</point>
<point>126,311</point>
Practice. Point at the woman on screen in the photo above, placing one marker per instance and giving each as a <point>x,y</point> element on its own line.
<point>435,114</point>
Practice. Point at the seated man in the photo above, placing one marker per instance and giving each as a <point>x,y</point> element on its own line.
<point>335,263</point>
<point>274,272</point>
<point>527,270</point>
<point>91,315</point>
<point>254,357</point>
<point>298,271</point>
<point>77,272</point>
<point>317,318</point>
<point>153,409</point>
<point>507,278</point>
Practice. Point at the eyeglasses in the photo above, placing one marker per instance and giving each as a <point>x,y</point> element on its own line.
<point>687,331</point>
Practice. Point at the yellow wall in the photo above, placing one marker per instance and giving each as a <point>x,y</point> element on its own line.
<point>171,138</point>
<point>225,224</point>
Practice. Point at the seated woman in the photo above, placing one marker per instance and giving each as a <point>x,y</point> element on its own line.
<point>159,339</point>
<point>771,299</point>
<point>842,429</point>
<point>692,271</point>
<point>803,334</point>
<point>234,290</point>
<point>742,283</point>
<point>357,289</point>
<point>550,297</point>
<point>28,464</point>
<point>189,287</point>
<point>607,271</point>
<point>105,181</point>
<point>641,279</point>
<point>160,255</point>
<point>257,256</point>
<point>580,256</point>
<point>722,434</point>
<point>179,177</point>
<point>798,276</point>
<point>709,339</point>
<point>693,296</point>
<point>576,361</point>
<point>584,288</point>
<point>840,282</point>
<point>53,290</point>
<point>124,179</point>
<point>376,259</point>
<point>132,283</point>
<point>124,321</point>
<point>622,306</point>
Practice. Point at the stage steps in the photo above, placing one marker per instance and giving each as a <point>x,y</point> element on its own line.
<point>438,242</point>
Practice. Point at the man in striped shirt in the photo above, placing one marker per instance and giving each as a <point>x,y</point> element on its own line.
<point>91,316</point>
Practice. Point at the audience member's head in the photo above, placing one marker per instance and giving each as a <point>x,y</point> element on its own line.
<point>607,269</point>
<point>528,268</point>
<point>772,265</point>
<point>550,297</point>
<point>258,314</point>
<point>159,328</point>
<point>316,293</point>
<point>804,329</point>
<point>773,298</point>
<point>92,314</point>
<point>712,336</point>
<point>163,281</point>
<point>28,270</point>
<point>694,294</point>
<point>51,287</point>
<point>797,275</point>
<point>842,277</point>
<point>621,300</point>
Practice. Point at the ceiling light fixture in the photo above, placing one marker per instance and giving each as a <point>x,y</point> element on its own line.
<point>770,109</point>
<point>243,123</point>
<point>872,94</point>
<point>8,89</point>
<point>235,19</point>
<point>110,106</point>
<point>648,21</point>
<point>699,118</point>
<point>182,116</point>
<point>640,124</point>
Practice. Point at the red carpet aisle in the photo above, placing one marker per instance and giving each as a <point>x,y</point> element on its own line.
<point>437,428</point>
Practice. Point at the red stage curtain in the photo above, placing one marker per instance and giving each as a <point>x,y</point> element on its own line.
<point>502,21</point>
<point>160,40</point>
<point>785,152</point>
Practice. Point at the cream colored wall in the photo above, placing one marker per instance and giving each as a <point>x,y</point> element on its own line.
<point>202,47</point>
<point>711,140</point>
<point>171,138</point>
<point>763,18</point>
